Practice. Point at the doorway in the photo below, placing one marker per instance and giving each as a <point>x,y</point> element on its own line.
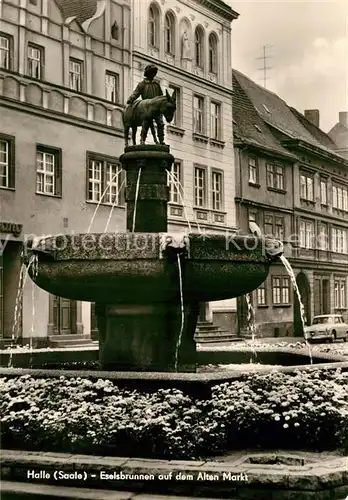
<point>64,316</point>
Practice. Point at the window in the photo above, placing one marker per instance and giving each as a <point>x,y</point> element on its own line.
<point>153,26</point>
<point>323,236</point>
<point>177,117</point>
<point>5,51</point>
<point>199,48</point>
<point>340,293</point>
<point>339,240</point>
<point>213,53</point>
<point>252,170</point>
<point>105,180</point>
<point>261,295</point>
<point>340,198</point>
<point>112,85</point>
<point>306,234</point>
<point>274,226</point>
<point>198,114</point>
<point>323,192</point>
<point>216,178</point>
<point>48,171</point>
<point>7,161</point>
<point>215,120</point>
<point>75,75</point>
<point>175,183</point>
<point>306,187</point>
<point>275,176</point>
<point>35,61</point>
<point>281,290</point>
<point>169,43</point>
<point>200,187</point>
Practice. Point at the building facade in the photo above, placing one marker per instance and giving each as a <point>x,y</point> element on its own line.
<point>63,77</point>
<point>294,185</point>
<point>190,42</point>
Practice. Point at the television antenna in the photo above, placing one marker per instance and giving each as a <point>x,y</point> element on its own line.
<point>265,58</point>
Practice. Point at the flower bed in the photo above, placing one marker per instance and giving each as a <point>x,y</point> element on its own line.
<point>275,410</point>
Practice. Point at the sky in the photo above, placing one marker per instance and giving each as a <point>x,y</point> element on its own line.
<point>307,51</point>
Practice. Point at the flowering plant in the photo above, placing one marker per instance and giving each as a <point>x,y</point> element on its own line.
<point>275,410</point>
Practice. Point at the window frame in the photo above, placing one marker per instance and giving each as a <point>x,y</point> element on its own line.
<point>176,191</point>
<point>153,21</point>
<point>205,202</point>
<point>11,166</point>
<point>213,54</point>
<point>308,194</point>
<point>199,47</point>
<point>106,161</point>
<point>220,174</point>
<point>273,173</point>
<point>303,234</point>
<point>9,38</point>
<point>340,298</point>
<point>281,287</point>
<point>340,199</point>
<point>41,50</point>
<point>169,33</point>
<point>177,115</point>
<point>255,168</point>
<point>274,220</point>
<point>57,174</point>
<point>81,74</point>
<point>116,88</point>
<point>217,118</point>
<point>339,240</point>
<point>323,199</point>
<point>200,99</point>
<point>262,299</point>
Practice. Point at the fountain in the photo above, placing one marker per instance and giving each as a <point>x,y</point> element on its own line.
<point>148,283</point>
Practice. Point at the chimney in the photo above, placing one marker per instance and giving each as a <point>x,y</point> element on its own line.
<point>343,118</point>
<point>312,116</point>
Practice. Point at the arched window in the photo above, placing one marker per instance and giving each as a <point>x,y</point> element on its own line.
<point>213,55</point>
<point>169,42</point>
<point>199,48</point>
<point>153,26</point>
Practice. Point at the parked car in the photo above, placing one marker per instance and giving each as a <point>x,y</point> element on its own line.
<point>327,327</point>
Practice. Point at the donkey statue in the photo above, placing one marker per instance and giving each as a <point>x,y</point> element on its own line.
<point>144,112</point>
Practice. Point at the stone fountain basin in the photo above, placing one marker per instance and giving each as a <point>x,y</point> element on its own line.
<point>143,267</point>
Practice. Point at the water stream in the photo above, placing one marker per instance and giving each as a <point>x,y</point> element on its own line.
<point>251,324</point>
<point>136,199</point>
<point>178,343</point>
<point>290,272</point>
<point>23,276</point>
<point>101,199</point>
<point>114,205</point>
<point>183,197</point>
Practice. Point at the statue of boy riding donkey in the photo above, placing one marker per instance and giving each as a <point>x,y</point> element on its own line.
<point>152,107</point>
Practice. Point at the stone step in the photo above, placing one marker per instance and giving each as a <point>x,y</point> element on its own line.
<point>211,340</point>
<point>69,336</point>
<point>71,342</point>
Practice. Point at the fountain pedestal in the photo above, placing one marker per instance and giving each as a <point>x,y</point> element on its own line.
<point>145,337</point>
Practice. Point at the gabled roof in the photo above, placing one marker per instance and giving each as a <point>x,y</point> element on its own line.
<point>274,111</point>
<point>319,135</point>
<point>249,128</point>
<point>82,9</point>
